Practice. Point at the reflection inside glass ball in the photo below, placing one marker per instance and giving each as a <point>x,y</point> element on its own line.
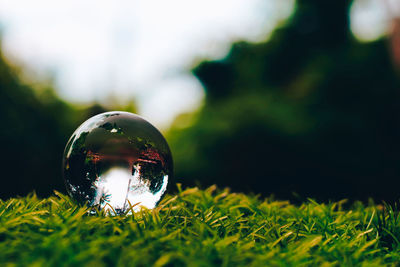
<point>117,161</point>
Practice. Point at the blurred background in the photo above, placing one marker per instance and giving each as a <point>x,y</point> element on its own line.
<point>292,98</point>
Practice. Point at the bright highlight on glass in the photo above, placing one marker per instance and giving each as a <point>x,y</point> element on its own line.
<point>116,161</point>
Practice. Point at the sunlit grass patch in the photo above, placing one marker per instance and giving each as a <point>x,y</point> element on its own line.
<point>199,228</point>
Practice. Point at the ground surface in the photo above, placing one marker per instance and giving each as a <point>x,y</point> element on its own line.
<point>199,228</point>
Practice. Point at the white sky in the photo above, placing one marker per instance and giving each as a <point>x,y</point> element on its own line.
<point>371,19</point>
<point>136,49</point>
<point>140,49</point>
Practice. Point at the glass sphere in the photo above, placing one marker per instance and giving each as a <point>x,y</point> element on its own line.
<point>115,160</point>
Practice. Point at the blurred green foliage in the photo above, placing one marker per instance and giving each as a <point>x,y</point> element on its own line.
<point>311,111</point>
<point>35,127</point>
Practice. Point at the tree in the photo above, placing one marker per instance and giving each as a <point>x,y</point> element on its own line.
<point>311,111</point>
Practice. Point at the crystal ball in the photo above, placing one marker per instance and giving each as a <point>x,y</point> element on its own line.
<point>117,161</point>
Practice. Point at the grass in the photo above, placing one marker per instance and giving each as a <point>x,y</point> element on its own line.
<point>199,228</point>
